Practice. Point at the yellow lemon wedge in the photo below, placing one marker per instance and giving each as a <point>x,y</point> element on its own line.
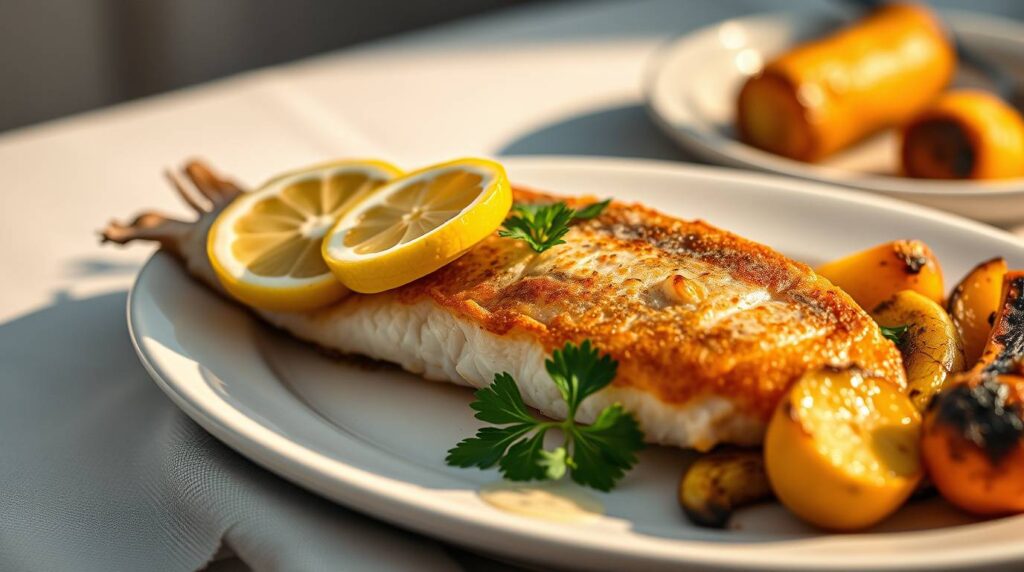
<point>417,223</point>
<point>265,246</point>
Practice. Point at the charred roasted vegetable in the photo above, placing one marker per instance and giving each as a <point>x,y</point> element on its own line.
<point>973,306</point>
<point>966,134</point>
<point>873,275</point>
<point>973,439</point>
<point>718,483</point>
<point>929,342</point>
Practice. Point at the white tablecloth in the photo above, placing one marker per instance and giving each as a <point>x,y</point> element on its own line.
<point>98,471</point>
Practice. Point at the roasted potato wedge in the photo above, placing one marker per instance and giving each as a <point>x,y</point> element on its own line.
<point>973,445</point>
<point>930,345</point>
<point>973,436</point>
<point>873,275</point>
<point>841,450</point>
<point>973,305</point>
<point>718,483</point>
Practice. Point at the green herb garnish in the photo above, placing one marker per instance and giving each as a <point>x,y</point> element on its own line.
<point>543,226</point>
<point>894,334</point>
<point>592,210</point>
<point>595,455</point>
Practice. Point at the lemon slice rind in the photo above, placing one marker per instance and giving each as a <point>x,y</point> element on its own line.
<point>286,292</point>
<point>366,269</point>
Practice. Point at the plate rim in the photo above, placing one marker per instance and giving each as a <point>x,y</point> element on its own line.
<point>973,23</point>
<point>506,535</point>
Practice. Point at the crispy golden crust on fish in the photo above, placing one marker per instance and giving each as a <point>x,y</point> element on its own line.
<point>687,309</point>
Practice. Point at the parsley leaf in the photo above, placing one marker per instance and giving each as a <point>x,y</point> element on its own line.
<point>501,403</point>
<point>543,226</point>
<point>597,455</point>
<point>604,451</point>
<point>523,462</point>
<point>554,462</point>
<point>580,371</point>
<point>487,447</point>
<point>592,210</point>
<point>894,334</point>
<point>498,403</point>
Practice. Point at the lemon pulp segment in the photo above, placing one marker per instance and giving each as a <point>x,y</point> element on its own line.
<point>417,223</point>
<point>266,246</point>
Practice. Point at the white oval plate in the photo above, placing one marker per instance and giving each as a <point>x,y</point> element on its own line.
<point>375,439</point>
<point>692,84</point>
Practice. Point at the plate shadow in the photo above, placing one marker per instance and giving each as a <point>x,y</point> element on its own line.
<point>622,131</point>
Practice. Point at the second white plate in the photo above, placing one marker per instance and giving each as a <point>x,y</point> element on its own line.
<point>691,90</point>
<point>375,439</point>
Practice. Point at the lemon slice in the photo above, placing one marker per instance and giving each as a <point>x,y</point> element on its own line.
<point>265,246</point>
<point>416,224</point>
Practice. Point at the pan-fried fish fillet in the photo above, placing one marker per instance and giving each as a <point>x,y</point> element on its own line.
<point>709,328</point>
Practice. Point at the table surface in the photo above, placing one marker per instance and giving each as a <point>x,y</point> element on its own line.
<point>562,78</point>
<point>544,79</point>
<point>547,79</point>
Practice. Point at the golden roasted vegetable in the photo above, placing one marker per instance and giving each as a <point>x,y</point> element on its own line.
<point>973,438</point>
<point>973,305</point>
<point>966,134</point>
<point>718,483</point>
<point>973,444</point>
<point>873,275</point>
<point>826,94</point>
<point>842,449</point>
<point>928,340</point>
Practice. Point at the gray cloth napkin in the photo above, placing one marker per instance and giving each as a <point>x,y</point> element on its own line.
<point>112,476</point>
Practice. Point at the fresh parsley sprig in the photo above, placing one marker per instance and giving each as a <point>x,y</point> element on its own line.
<point>592,210</point>
<point>894,334</point>
<point>595,455</point>
<point>543,226</point>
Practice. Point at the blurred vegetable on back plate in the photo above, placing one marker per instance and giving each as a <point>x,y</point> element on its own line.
<point>966,134</point>
<point>826,94</point>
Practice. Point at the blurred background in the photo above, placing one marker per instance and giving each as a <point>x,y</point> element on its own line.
<point>64,56</point>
